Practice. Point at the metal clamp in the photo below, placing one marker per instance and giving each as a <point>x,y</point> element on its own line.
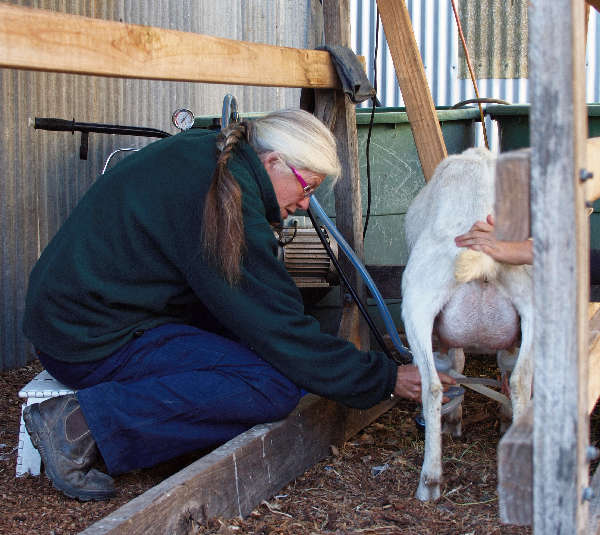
<point>230,111</point>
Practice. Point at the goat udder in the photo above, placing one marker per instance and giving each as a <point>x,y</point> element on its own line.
<point>478,318</point>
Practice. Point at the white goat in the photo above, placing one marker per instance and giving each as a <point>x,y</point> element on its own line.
<point>480,312</point>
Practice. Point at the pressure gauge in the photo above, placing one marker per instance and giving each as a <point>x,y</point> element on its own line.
<point>183,119</point>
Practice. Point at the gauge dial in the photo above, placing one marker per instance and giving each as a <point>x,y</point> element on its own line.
<point>183,119</point>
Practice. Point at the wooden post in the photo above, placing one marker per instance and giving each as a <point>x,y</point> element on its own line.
<point>587,21</point>
<point>338,112</point>
<point>413,84</point>
<point>594,3</point>
<point>560,270</point>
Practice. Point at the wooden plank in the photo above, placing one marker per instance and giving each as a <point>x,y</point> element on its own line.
<point>37,39</point>
<point>233,479</point>
<point>561,266</point>
<point>587,21</point>
<point>512,196</point>
<point>413,84</point>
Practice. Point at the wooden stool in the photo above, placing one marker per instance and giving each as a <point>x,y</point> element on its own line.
<point>43,386</point>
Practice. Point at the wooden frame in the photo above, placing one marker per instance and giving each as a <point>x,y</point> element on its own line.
<point>36,39</point>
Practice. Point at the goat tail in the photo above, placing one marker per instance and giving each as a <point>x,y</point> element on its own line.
<point>472,265</point>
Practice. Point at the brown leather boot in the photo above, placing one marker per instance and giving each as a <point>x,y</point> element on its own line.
<point>59,432</point>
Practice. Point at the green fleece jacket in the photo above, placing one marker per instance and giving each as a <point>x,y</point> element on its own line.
<point>129,258</point>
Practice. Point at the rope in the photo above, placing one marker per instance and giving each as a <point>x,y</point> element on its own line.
<point>464,44</point>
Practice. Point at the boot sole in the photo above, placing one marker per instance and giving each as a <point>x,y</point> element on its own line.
<point>33,422</point>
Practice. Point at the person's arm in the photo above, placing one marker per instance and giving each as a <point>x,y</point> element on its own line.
<point>266,312</point>
<point>481,237</point>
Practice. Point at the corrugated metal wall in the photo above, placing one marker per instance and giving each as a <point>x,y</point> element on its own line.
<point>437,36</point>
<point>42,176</point>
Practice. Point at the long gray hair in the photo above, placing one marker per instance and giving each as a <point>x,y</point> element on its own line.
<point>302,140</point>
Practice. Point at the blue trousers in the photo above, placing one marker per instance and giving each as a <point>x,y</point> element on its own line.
<point>173,390</point>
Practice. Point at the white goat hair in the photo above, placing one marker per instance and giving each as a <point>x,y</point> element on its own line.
<point>467,298</point>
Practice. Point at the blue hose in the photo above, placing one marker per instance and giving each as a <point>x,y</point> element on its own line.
<point>381,306</point>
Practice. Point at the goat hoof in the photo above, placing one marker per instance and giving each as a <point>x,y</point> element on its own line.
<point>428,491</point>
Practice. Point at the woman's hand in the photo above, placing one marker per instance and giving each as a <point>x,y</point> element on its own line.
<point>408,382</point>
<point>481,238</point>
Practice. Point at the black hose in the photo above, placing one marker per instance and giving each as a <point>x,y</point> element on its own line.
<point>353,293</point>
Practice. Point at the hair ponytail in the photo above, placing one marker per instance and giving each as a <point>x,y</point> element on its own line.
<point>222,222</point>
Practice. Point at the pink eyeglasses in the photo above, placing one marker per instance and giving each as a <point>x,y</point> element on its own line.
<point>308,191</point>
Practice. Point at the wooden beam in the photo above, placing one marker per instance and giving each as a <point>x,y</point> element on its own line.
<point>233,479</point>
<point>336,110</point>
<point>413,84</point>
<point>512,195</point>
<point>515,450</point>
<point>38,39</point>
<point>587,21</point>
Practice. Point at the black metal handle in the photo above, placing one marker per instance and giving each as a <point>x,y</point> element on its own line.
<point>57,125</point>
<point>64,125</point>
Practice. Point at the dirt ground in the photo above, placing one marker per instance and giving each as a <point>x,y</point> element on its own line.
<point>366,486</point>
